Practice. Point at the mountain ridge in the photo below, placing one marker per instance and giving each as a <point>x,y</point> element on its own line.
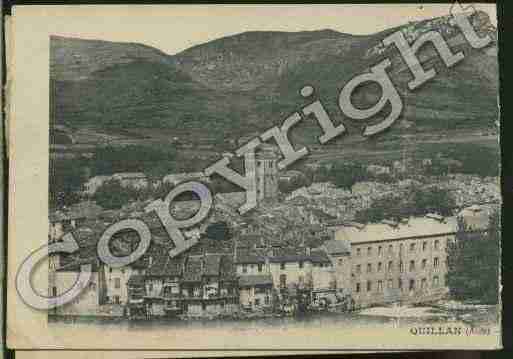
<point>249,81</point>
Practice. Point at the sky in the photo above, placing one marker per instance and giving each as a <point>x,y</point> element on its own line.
<point>173,28</point>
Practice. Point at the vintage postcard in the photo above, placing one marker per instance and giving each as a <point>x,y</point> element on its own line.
<point>229,178</point>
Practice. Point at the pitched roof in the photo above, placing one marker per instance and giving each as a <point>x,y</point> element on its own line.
<point>165,266</point>
<point>254,280</point>
<point>337,246</point>
<point>289,254</point>
<point>136,280</point>
<point>319,256</point>
<point>415,227</point>
<point>249,258</point>
<point>321,214</point>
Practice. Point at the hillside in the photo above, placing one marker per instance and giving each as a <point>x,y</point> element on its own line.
<point>253,59</point>
<point>73,59</point>
<point>236,85</point>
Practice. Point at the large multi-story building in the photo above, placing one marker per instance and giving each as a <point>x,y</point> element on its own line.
<point>399,261</point>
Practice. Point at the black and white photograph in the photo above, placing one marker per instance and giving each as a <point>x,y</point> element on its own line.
<point>254,169</point>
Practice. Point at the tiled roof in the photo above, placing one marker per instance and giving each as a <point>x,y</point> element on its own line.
<point>319,256</point>
<point>322,215</point>
<point>249,254</point>
<point>337,246</point>
<point>254,280</point>
<point>415,227</point>
<point>288,254</point>
<point>249,258</point>
<point>165,266</point>
<point>136,280</point>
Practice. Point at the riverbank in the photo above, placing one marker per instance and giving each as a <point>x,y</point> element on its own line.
<point>468,314</point>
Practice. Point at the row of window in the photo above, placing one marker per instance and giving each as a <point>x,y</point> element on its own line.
<point>390,284</point>
<point>266,300</point>
<point>245,268</point>
<point>283,266</point>
<point>413,247</point>
<point>390,266</point>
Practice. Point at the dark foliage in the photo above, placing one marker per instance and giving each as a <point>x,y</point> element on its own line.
<point>417,202</point>
<point>151,160</point>
<point>473,264</point>
<point>65,179</point>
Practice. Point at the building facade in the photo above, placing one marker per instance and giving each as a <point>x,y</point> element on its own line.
<point>266,169</point>
<point>399,262</point>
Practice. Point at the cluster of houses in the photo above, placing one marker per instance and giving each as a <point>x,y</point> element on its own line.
<point>283,257</point>
<point>357,266</point>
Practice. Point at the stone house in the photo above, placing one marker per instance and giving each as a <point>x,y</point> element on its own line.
<point>90,299</point>
<point>300,268</point>
<point>162,285</point>
<point>339,252</point>
<point>256,291</point>
<point>136,306</point>
<point>476,217</point>
<point>209,286</point>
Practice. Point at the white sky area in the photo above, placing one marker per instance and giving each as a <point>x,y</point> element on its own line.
<point>174,28</point>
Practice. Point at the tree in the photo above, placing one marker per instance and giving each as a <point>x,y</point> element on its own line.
<point>65,179</point>
<point>416,202</point>
<point>143,158</point>
<point>473,263</point>
<point>433,199</point>
<point>345,175</point>
<point>390,207</point>
<point>112,195</point>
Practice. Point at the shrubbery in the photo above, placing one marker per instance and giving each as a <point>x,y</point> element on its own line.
<point>417,202</point>
<point>473,264</point>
